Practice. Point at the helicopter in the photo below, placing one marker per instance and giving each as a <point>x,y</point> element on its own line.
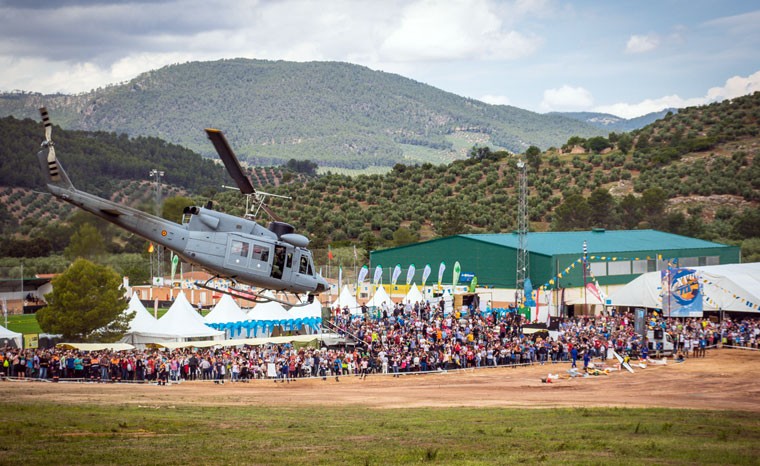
<point>236,248</point>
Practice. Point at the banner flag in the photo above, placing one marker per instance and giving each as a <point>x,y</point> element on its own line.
<point>410,274</point>
<point>528,292</point>
<point>473,284</point>
<point>340,277</point>
<point>441,269</point>
<point>457,271</point>
<point>396,273</point>
<point>362,274</point>
<point>425,274</point>
<point>329,253</point>
<point>378,274</point>
<point>682,292</point>
<point>175,261</point>
<point>591,288</point>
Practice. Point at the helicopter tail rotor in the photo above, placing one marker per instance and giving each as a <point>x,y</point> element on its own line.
<point>50,166</point>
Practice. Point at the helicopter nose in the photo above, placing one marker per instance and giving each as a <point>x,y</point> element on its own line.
<point>321,285</point>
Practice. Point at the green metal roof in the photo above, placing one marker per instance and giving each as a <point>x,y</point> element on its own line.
<point>599,241</point>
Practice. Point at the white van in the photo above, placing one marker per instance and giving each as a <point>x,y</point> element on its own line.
<point>659,336</point>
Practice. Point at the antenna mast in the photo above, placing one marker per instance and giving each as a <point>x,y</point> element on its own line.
<point>522,230</point>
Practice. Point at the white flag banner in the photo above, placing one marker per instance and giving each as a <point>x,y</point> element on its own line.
<point>410,274</point>
<point>363,274</point>
<point>378,274</point>
<point>425,274</point>
<point>396,273</point>
<point>441,269</point>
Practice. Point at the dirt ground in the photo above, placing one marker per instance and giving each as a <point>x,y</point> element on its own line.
<point>725,379</point>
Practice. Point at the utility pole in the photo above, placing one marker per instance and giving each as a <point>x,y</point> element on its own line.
<point>157,175</point>
<point>522,271</point>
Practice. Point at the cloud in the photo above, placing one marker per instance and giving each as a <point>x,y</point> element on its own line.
<point>642,44</point>
<point>495,99</point>
<point>567,98</point>
<point>735,86</point>
<point>432,30</point>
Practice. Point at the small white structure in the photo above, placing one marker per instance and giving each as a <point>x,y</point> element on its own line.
<point>380,297</point>
<point>143,328</point>
<point>414,295</point>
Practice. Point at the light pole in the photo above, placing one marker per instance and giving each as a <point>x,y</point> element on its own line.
<point>157,175</point>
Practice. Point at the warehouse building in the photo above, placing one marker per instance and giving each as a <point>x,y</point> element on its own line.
<point>615,258</point>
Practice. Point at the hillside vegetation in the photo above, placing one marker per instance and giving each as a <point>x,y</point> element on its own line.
<point>336,114</point>
<point>695,173</point>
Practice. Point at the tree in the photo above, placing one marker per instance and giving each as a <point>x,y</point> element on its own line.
<point>479,153</point>
<point>452,223</point>
<point>86,243</point>
<point>572,214</point>
<point>87,304</point>
<point>597,144</point>
<point>533,156</point>
<point>404,236</point>
<point>602,207</point>
<point>173,207</point>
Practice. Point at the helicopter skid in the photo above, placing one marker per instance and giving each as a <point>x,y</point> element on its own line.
<point>253,296</point>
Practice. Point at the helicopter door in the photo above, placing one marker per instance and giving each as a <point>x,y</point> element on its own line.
<point>304,271</point>
<point>278,265</point>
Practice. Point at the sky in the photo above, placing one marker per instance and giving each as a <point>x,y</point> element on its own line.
<point>627,58</point>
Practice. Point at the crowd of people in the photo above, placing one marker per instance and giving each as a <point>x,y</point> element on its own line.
<point>405,339</point>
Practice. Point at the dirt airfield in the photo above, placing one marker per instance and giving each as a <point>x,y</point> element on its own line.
<point>727,379</point>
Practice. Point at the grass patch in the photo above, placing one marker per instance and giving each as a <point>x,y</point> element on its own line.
<point>124,434</point>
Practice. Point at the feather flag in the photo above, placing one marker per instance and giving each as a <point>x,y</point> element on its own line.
<point>441,269</point>
<point>340,277</point>
<point>378,274</point>
<point>175,261</point>
<point>410,274</point>
<point>457,272</point>
<point>329,253</point>
<point>363,274</point>
<point>425,274</point>
<point>396,273</point>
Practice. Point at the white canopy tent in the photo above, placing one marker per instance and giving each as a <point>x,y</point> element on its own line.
<point>414,295</point>
<point>226,310</point>
<point>17,338</point>
<point>380,297</point>
<point>143,328</point>
<point>184,322</point>
<point>729,287</point>
<point>346,299</point>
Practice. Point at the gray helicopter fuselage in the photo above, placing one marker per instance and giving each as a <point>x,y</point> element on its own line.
<point>229,246</point>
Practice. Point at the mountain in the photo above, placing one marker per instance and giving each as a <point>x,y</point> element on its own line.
<point>615,123</point>
<point>695,173</point>
<point>337,114</point>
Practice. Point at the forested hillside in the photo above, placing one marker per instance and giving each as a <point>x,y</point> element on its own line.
<point>695,173</point>
<point>336,114</point>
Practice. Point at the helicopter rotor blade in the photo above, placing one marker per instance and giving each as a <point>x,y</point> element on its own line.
<point>46,122</point>
<point>230,160</point>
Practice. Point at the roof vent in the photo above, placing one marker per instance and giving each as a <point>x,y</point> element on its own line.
<point>598,230</point>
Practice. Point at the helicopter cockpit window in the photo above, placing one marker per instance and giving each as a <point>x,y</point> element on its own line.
<point>240,248</point>
<point>304,265</point>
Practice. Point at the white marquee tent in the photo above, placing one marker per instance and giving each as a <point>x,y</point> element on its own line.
<point>380,297</point>
<point>143,328</point>
<point>6,334</point>
<point>729,287</point>
<point>414,295</point>
<point>184,322</point>
<point>346,299</point>
<point>226,310</point>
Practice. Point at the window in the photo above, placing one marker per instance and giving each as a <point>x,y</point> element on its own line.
<point>619,268</point>
<point>688,261</point>
<point>304,265</point>
<point>640,266</point>
<point>712,260</point>
<point>240,248</point>
<point>598,269</point>
<point>260,253</point>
